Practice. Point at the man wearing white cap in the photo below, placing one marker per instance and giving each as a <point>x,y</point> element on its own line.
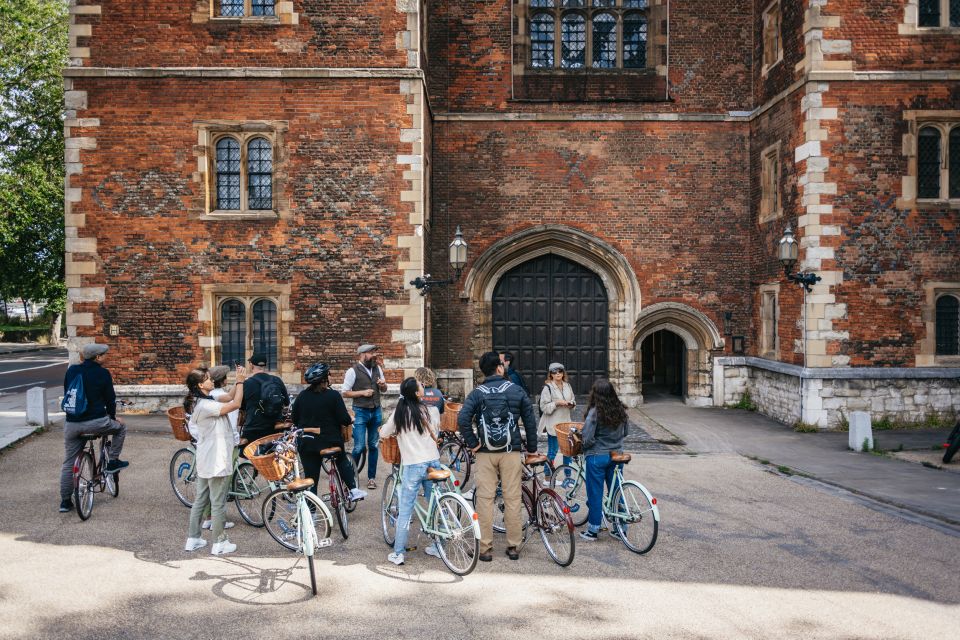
<point>99,416</point>
<point>363,383</point>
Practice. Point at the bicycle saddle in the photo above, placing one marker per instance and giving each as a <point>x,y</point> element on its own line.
<point>437,474</point>
<point>618,457</point>
<point>300,484</point>
<point>90,436</point>
<point>330,451</point>
<point>533,459</point>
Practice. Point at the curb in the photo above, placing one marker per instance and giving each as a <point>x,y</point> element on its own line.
<point>6,352</point>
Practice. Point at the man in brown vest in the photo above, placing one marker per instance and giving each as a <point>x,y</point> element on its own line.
<point>363,383</point>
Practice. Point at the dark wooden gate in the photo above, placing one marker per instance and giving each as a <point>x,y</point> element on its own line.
<point>551,309</point>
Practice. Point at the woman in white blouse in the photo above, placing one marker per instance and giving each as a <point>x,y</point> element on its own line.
<point>556,401</point>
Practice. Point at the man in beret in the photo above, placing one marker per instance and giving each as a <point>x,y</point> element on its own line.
<point>100,416</point>
<point>363,383</point>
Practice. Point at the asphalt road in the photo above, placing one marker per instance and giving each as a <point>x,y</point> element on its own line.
<point>742,553</point>
<point>19,372</point>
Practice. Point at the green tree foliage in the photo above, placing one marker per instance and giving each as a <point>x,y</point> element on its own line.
<point>33,52</point>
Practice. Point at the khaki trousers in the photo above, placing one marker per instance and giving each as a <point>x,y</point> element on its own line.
<point>508,467</point>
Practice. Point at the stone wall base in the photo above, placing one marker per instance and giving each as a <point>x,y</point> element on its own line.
<point>825,397</point>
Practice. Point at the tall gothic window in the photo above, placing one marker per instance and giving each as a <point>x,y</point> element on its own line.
<point>938,161</point>
<point>248,326</point>
<point>948,326</point>
<point>578,34</point>
<point>228,174</point>
<point>244,173</point>
<point>260,174</point>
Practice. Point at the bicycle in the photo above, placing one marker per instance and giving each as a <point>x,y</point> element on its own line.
<point>89,473</point>
<point>448,519</point>
<point>952,444</point>
<point>338,496</point>
<point>454,452</point>
<point>628,506</point>
<point>302,529</point>
<point>546,511</point>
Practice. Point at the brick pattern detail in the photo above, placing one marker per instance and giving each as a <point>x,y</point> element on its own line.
<point>80,30</point>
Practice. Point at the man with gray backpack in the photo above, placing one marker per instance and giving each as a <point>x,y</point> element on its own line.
<point>496,406</point>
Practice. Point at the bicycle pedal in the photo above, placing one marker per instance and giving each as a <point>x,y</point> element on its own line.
<point>324,542</point>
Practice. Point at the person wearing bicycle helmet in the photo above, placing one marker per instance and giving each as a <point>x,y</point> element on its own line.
<point>322,408</point>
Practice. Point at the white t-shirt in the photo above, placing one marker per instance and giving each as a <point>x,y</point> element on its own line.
<point>416,447</point>
<point>214,440</point>
<point>233,416</point>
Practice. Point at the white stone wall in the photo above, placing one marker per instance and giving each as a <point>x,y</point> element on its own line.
<point>776,394</point>
<point>898,400</point>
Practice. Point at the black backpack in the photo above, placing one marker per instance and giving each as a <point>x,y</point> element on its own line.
<point>273,398</point>
<point>497,423</point>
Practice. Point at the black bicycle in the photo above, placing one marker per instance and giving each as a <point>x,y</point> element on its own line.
<point>952,444</point>
<point>90,473</point>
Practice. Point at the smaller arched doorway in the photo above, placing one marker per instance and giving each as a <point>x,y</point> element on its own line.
<point>663,367</point>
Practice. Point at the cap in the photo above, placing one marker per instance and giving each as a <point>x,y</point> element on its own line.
<point>219,373</point>
<point>93,350</point>
<point>555,366</point>
<point>258,359</point>
<point>367,348</point>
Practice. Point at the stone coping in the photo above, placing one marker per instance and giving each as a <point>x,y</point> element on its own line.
<point>241,72</point>
<point>847,373</point>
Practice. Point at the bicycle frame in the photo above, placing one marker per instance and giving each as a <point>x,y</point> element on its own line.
<point>614,512</point>
<point>425,514</point>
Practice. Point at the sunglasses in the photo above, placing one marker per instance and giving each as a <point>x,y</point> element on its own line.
<point>556,370</point>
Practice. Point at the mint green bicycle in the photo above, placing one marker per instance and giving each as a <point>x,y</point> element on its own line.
<point>448,519</point>
<point>629,508</point>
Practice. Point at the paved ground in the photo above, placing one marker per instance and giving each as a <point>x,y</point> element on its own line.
<point>743,553</point>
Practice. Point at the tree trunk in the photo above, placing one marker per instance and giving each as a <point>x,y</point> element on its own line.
<point>55,329</point>
<point>26,311</point>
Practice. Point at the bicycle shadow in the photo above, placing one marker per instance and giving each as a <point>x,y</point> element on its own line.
<point>252,585</point>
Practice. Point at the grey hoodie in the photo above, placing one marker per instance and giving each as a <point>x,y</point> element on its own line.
<point>597,442</point>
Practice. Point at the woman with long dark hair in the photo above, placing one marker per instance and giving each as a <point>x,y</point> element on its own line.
<point>416,426</point>
<point>214,457</point>
<point>604,429</point>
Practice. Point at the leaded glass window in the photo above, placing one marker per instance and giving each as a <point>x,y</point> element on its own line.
<point>573,41</point>
<point>634,4</point>
<point>262,7</point>
<point>541,41</point>
<point>265,331</point>
<point>604,41</point>
<point>259,174</point>
<point>228,174</point>
<point>548,4</point>
<point>954,173</point>
<point>929,13</point>
<point>231,8</point>
<point>573,4</point>
<point>634,41</point>
<point>948,326</point>
<point>955,13</point>
<point>928,163</point>
<point>603,4</point>
<point>233,331</point>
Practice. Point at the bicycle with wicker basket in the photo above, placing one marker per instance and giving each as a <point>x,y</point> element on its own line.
<point>448,518</point>
<point>454,452</point>
<point>628,507</point>
<point>247,486</point>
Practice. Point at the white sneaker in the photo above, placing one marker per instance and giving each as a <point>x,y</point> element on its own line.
<point>220,548</point>
<point>395,558</point>
<point>194,543</point>
<point>356,494</point>
<point>208,524</point>
<point>432,550</point>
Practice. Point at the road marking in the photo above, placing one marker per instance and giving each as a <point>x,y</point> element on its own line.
<point>43,366</point>
<point>18,386</point>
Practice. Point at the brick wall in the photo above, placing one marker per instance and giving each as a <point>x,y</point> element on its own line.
<point>880,42</point>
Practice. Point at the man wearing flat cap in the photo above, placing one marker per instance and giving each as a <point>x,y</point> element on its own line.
<point>100,416</point>
<point>363,383</point>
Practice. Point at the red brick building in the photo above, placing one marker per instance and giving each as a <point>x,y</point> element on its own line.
<point>255,174</point>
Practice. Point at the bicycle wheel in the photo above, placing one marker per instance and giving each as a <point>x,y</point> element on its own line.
<point>456,457</point>
<point>338,502</point>
<point>635,518</point>
<point>113,483</point>
<point>389,509</point>
<point>313,574</point>
<point>358,465</point>
<point>309,544</point>
<point>499,524</point>
<point>280,517</point>
<point>183,476</point>
<point>568,483</point>
<point>83,484</point>
<point>248,491</point>
<point>954,444</point>
<point>556,528</point>
<point>457,539</point>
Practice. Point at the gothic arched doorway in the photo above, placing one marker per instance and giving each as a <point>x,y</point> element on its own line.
<point>551,309</point>
<point>663,365</point>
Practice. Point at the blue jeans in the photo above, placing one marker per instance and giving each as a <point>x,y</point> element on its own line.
<point>366,423</point>
<point>553,447</point>
<point>599,471</point>
<point>414,477</point>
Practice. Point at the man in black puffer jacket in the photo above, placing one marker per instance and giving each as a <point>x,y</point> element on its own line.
<point>495,406</point>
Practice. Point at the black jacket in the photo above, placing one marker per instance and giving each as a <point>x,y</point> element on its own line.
<point>256,425</point>
<point>97,387</point>
<point>520,406</point>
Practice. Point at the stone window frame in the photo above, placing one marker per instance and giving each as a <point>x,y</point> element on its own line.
<point>911,20</point>
<point>771,196</point>
<point>209,132</point>
<point>945,121</point>
<point>528,13</point>
<point>772,37</point>
<point>927,354</point>
<point>769,325</point>
<point>214,295</point>
<point>206,11</point>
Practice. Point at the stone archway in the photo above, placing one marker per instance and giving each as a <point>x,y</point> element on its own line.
<point>700,336</point>
<point>623,291</point>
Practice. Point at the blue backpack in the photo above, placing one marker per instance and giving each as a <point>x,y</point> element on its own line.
<point>75,400</point>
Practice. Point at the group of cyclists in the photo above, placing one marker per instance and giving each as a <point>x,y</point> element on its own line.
<point>489,423</point>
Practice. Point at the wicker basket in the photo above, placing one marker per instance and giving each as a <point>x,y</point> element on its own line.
<point>178,422</point>
<point>569,445</point>
<point>271,466</point>
<point>448,419</point>
<point>390,450</point>
<point>347,433</point>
